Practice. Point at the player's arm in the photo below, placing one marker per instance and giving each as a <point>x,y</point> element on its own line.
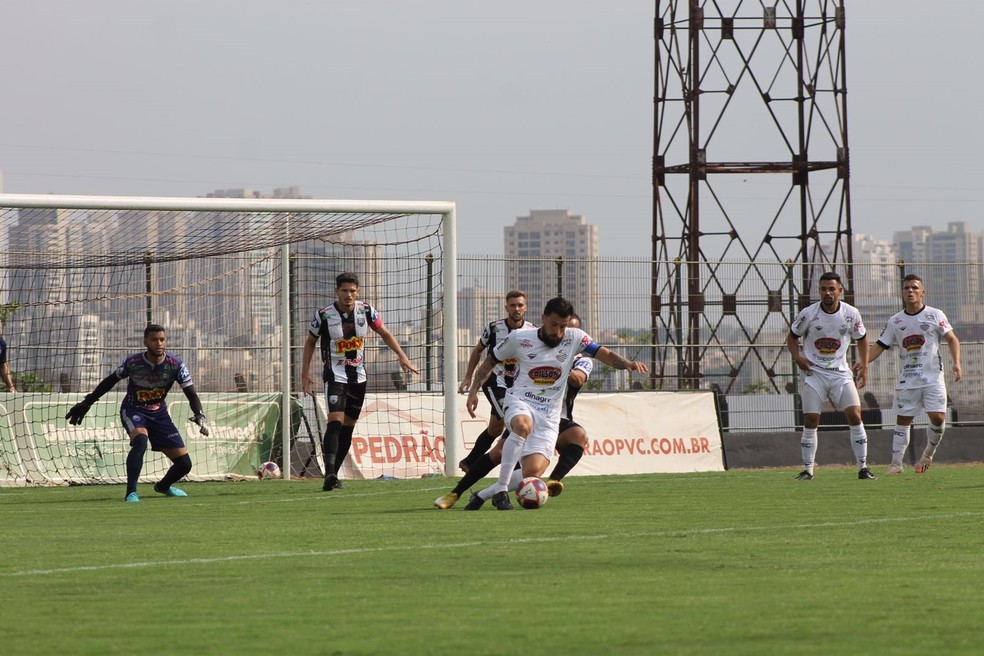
<point>616,361</point>
<point>860,367</point>
<point>473,359</point>
<point>793,346</point>
<point>196,407</point>
<point>307,383</point>
<point>476,384</point>
<point>394,345</point>
<point>954,343</point>
<point>576,378</point>
<point>79,410</point>
<point>875,350</point>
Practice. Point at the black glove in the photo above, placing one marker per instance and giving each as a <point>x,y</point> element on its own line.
<point>77,413</point>
<point>202,424</point>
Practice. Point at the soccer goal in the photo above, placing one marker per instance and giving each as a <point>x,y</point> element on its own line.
<point>235,282</point>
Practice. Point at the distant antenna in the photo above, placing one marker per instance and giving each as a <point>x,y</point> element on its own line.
<point>750,163</point>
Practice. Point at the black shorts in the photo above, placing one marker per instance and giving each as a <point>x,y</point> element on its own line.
<point>567,424</point>
<point>495,395</point>
<point>345,397</point>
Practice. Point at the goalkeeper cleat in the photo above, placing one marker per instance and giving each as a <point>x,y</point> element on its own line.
<point>923,464</point>
<point>331,483</point>
<point>446,501</point>
<point>894,469</point>
<point>132,497</point>
<point>501,501</point>
<point>804,476</point>
<point>554,488</point>
<point>475,502</point>
<point>170,492</point>
<point>865,474</point>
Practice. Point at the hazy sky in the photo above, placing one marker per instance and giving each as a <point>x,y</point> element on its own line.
<point>500,106</point>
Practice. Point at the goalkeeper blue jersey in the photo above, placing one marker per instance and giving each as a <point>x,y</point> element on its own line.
<point>148,383</point>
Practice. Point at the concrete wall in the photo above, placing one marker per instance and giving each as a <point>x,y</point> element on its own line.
<point>754,450</point>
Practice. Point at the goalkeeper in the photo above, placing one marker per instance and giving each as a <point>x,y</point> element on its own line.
<point>144,411</point>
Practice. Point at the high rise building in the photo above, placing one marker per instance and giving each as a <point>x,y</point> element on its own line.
<point>551,253</point>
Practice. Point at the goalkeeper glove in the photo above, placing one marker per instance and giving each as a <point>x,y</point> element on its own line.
<point>202,424</point>
<point>78,412</point>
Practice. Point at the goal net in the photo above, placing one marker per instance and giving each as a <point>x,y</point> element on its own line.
<point>235,282</point>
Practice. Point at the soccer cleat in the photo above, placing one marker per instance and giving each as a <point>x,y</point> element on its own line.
<point>894,469</point>
<point>331,483</point>
<point>804,476</point>
<point>446,501</point>
<point>170,492</point>
<point>501,501</point>
<point>923,464</point>
<point>554,488</point>
<point>132,497</point>
<point>475,502</point>
<point>865,474</point>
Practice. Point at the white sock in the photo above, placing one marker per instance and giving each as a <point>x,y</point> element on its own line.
<point>900,441</point>
<point>515,479</point>
<point>934,434</point>
<point>859,442</point>
<point>808,446</point>
<point>512,449</point>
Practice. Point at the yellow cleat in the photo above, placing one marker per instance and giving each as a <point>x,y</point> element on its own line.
<point>554,488</point>
<point>446,501</point>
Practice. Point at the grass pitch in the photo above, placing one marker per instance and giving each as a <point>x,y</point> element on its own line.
<point>744,562</point>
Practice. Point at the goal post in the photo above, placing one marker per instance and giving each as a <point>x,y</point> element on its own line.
<point>235,281</point>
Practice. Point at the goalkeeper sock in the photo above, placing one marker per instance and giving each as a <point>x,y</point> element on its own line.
<point>478,470</point>
<point>570,454</point>
<point>134,462</point>
<point>482,444</point>
<point>329,446</point>
<point>934,435</point>
<point>180,467</point>
<point>808,448</point>
<point>859,442</point>
<point>900,442</point>
<point>344,444</point>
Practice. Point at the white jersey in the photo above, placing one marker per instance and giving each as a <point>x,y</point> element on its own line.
<point>541,370</point>
<point>827,336</point>
<point>918,337</point>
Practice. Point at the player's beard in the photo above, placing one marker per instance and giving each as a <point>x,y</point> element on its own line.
<point>548,340</point>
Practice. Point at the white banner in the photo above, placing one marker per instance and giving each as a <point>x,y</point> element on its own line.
<point>628,433</point>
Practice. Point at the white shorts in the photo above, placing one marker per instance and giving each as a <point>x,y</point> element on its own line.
<point>543,438</point>
<point>820,385</point>
<point>909,402</point>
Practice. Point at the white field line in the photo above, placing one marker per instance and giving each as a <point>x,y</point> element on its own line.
<point>482,543</point>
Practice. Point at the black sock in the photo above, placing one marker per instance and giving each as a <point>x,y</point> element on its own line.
<point>476,472</point>
<point>569,455</point>
<point>329,446</point>
<point>134,462</point>
<point>482,444</point>
<point>344,443</point>
<point>180,467</point>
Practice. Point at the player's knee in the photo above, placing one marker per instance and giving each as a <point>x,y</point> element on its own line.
<point>576,436</point>
<point>182,464</point>
<point>139,442</point>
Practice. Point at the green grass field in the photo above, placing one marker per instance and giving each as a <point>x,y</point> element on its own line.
<point>746,562</point>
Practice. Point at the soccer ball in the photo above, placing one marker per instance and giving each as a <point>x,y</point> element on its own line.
<point>268,470</point>
<point>532,493</point>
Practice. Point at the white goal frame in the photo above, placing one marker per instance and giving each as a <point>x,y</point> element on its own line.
<point>446,210</point>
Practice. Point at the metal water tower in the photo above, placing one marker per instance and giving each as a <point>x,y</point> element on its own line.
<point>750,166</point>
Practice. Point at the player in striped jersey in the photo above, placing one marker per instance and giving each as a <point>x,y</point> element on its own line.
<point>342,328</point>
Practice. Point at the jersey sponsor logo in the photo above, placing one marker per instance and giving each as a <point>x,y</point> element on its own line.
<point>545,375</point>
<point>348,344</point>
<point>149,395</point>
<point>827,345</point>
<point>525,343</point>
<point>913,342</point>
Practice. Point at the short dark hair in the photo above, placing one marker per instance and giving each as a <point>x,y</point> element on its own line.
<point>559,306</point>
<point>515,294</point>
<point>153,328</point>
<point>912,276</point>
<point>343,278</point>
<point>831,275</point>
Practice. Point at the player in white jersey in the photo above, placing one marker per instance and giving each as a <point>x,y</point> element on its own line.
<point>827,328</point>
<point>533,404</point>
<point>918,331</point>
<point>495,385</point>
<point>342,328</point>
